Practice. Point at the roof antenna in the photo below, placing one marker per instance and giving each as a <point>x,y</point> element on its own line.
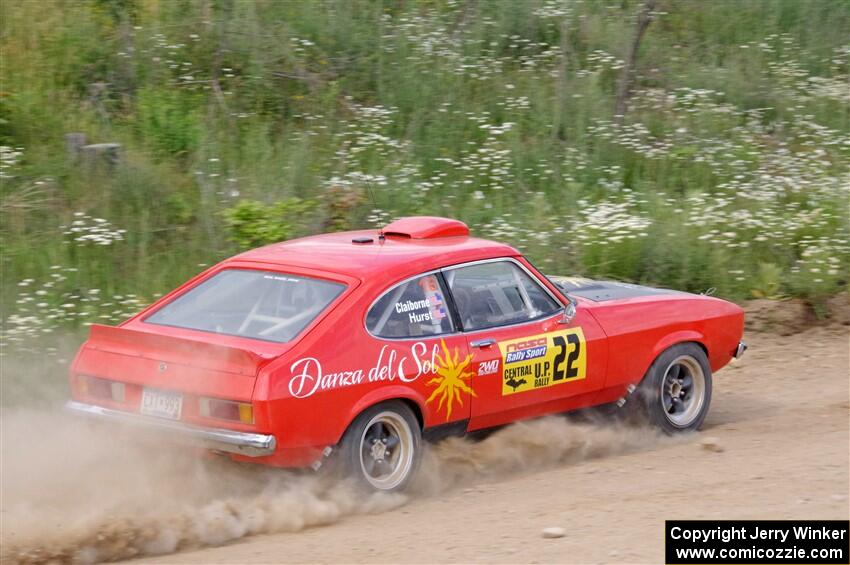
<point>381,236</point>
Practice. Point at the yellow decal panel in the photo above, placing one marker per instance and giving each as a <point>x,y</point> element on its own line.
<point>543,360</point>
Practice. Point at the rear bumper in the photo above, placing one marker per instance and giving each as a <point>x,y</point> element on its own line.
<point>230,441</point>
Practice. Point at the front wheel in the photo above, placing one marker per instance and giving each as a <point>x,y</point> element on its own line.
<point>676,391</point>
<point>381,448</point>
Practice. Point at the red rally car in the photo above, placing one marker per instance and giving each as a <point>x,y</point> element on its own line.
<point>356,344</point>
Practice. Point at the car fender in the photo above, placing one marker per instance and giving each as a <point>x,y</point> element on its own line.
<point>383,394</point>
<point>680,336</point>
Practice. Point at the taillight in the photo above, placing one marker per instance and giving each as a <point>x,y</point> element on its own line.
<point>102,388</point>
<point>227,410</point>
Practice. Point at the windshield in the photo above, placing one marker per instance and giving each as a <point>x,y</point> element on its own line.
<point>255,304</point>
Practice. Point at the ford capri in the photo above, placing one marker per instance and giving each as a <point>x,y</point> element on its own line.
<point>354,347</point>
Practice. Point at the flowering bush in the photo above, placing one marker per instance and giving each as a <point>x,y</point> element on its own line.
<point>730,169</point>
<point>57,301</point>
<point>87,230</point>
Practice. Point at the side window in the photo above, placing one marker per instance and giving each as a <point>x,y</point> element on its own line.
<point>413,309</point>
<point>497,294</point>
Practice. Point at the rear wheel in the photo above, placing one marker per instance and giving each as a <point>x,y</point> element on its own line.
<point>676,392</point>
<point>381,448</point>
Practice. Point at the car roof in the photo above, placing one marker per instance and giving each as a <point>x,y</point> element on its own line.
<point>399,253</point>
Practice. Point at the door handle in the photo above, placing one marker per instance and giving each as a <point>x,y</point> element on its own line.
<point>483,343</point>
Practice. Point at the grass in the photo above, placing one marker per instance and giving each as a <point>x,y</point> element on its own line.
<point>730,170</point>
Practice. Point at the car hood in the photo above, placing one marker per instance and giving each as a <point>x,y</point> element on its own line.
<point>603,291</point>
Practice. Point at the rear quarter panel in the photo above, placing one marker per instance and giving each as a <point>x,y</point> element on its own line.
<point>371,370</point>
<point>640,329</point>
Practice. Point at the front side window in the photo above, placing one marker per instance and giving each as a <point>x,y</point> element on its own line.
<point>255,304</point>
<point>412,309</point>
<point>497,294</point>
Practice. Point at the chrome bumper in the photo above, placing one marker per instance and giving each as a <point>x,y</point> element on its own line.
<point>242,443</point>
<point>739,351</point>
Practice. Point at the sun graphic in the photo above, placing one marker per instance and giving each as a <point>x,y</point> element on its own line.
<point>450,380</point>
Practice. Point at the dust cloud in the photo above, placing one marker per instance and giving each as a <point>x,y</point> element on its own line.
<point>77,492</point>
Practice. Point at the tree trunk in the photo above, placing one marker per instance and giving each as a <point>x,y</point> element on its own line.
<point>627,74</point>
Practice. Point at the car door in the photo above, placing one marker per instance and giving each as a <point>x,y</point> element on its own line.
<point>526,361</point>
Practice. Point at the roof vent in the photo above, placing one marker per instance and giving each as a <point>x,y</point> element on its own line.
<point>426,227</point>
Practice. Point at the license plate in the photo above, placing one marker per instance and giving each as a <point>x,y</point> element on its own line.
<point>161,404</point>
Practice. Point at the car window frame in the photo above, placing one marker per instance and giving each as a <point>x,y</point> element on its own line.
<point>533,278</point>
<point>453,315</point>
<point>452,305</point>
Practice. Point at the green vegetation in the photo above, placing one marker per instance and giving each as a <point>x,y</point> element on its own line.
<point>252,223</point>
<point>244,122</point>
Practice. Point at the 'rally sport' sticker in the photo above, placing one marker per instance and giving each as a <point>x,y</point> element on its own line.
<point>543,360</point>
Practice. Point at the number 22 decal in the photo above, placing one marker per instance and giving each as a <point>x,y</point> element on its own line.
<point>571,371</point>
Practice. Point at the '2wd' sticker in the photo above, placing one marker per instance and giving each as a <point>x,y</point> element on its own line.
<point>543,360</point>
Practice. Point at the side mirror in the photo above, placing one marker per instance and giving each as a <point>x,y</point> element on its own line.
<point>569,311</point>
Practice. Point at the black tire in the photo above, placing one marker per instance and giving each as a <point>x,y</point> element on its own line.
<point>381,449</point>
<point>675,394</point>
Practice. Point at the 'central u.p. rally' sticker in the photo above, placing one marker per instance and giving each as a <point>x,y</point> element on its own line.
<point>543,360</point>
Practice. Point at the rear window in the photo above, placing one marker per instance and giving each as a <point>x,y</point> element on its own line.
<point>255,304</point>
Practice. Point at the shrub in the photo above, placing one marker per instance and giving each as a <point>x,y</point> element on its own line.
<point>251,223</point>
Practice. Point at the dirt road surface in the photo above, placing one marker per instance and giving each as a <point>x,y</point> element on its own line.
<point>780,421</point>
<point>776,444</point>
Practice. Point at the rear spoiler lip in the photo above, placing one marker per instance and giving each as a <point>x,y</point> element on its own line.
<point>162,347</point>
